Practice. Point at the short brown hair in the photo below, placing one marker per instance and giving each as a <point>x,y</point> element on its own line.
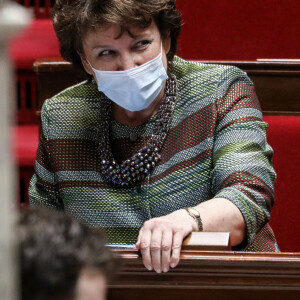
<point>71,19</point>
<point>54,248</point>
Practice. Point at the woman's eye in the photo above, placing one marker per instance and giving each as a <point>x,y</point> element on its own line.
<point>143,43</point>
<point>105,53</point>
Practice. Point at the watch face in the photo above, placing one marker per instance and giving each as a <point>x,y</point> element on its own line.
<point>194,212</point>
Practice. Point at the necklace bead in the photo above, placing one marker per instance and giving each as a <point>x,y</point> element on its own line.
<point>133,137</point>
<point>140,165</point>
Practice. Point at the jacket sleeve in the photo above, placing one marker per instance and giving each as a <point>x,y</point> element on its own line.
<point>242,159</point>
<point>43,185</point>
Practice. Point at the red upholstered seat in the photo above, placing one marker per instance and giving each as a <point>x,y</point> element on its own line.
<point>36,41</point>
<point>283,136</point>
<point>25,143</point>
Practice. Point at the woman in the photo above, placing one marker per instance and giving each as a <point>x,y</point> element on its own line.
<point>152,147</point>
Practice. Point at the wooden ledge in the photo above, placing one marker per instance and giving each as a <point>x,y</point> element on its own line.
<point>52,64</point>
<point>238,256</point>
<point>214,275</point>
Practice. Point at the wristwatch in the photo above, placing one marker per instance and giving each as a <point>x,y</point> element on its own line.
<point>194,213</point>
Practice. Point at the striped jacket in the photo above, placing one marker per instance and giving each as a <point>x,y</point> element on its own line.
<point>216,147</point>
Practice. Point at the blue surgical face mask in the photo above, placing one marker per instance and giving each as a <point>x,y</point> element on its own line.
<point>133,89</point>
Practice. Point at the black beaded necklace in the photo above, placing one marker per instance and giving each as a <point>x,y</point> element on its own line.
<point>135,169</point>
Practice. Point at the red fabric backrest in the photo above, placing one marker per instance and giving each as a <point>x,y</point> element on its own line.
<point>247,30</point>
<point>239,30</point>
<point>283,135</point>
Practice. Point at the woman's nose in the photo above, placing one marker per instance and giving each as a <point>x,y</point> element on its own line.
<point>127,62</point>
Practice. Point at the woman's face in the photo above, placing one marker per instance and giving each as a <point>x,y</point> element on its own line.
<point>105,49</point>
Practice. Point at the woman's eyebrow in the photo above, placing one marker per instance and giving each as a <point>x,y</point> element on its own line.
<point>101,46</point>
<point>142,35</point>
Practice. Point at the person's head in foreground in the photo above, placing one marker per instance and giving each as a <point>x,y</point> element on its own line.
<point>61,258</point>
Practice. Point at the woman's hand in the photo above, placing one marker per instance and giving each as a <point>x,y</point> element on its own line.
<point>160,240</point>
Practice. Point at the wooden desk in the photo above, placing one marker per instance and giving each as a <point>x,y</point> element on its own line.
<point>211,275</point>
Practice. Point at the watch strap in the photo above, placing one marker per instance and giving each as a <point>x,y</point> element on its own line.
<point>196,217</point>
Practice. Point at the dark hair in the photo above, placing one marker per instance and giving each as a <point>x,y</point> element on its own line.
<point>71,19</point>
<point>54,248</point>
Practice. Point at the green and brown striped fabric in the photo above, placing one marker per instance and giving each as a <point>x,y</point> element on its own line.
<point>216,147</point>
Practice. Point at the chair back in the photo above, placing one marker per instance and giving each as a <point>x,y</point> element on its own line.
<point>41,8</point>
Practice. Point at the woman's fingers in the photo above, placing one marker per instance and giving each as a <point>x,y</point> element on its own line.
<point>144,246</point>
<point>166,247</point>
<point>139,238</point>
<point>176,247</point>
<point>155,249</point>
<point>161,238</point>
<point>155,246</point>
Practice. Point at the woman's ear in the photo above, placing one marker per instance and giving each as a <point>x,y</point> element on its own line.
<point>167,42</point>
<point>86,65</point>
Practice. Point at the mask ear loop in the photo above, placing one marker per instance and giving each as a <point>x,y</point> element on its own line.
<point>95,72</point>
<point>90,65</point>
